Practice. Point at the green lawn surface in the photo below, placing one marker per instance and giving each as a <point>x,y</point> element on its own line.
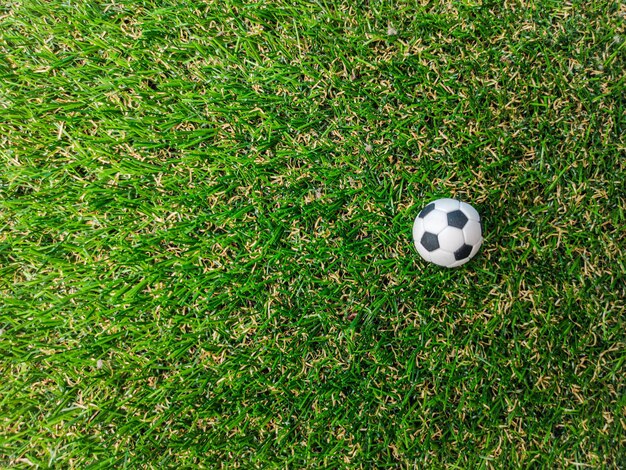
<point>205,234</point>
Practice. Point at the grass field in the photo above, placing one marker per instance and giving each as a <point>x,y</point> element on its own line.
<point>205,234</point>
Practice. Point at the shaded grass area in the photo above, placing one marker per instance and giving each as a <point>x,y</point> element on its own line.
<point>205,222</point>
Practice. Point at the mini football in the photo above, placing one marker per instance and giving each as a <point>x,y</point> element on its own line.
<point>447,232</point>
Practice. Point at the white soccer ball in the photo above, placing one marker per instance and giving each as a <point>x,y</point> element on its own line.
<point>447,232</point>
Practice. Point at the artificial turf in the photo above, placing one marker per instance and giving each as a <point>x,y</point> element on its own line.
<point>205,234</point>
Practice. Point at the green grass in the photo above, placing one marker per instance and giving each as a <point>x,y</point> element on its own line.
<point>205,234</point>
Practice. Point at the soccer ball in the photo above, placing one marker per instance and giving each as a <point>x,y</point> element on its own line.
<point>447,232</point>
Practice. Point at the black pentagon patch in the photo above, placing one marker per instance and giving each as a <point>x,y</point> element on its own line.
<point>426,210</point>
<point>462,252</point>
<point>457,219</point>
<point>430,241</point>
